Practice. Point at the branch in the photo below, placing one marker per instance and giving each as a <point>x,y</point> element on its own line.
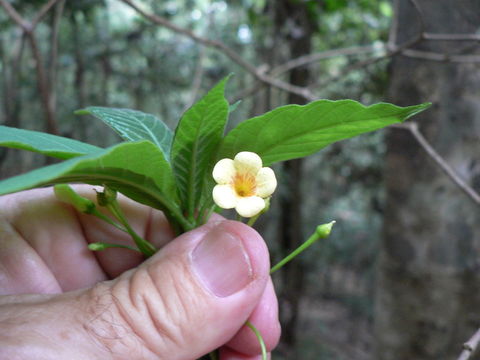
<point>392,50</point>
<point>42,80</point>
<point>300,91</point>
<point>307,59</point>
<point>42,12</point>
<point>470,346</point>
<point>434,56</point>
<point>302,61</point>
<point>447,169</point>
<point>15,16</point>
<point>451,37</point>
<point>420,16</point>
<point>392,33</point>
<point>54,52</point>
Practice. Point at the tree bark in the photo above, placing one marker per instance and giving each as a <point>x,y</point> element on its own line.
<point>428,290</point>
<point>299,40</point>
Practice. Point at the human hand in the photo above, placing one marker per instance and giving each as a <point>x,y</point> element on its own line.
<point>60,300</point>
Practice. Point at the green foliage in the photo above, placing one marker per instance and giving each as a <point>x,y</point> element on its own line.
<point>43,143</point>
<point>139,168</point>
<point>133,125</point>
<point>197,136</point>
<point>295,131</point>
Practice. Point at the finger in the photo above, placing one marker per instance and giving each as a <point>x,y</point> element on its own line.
<point>22,271</point>
<point>49,236</point>
<point>265,320</point>
<point>187,300</point>
<point>59,235</point>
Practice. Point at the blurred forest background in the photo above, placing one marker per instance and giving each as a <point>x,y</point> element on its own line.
<point>399,277</point>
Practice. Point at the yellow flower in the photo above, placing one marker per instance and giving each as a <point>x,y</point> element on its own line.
<point>243,184</point>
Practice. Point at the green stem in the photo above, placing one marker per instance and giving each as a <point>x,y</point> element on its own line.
<point>143,245</point>
<point>321,232</point>
<point>259,338</point>
<point>105,218</point>
<point>252,220</point>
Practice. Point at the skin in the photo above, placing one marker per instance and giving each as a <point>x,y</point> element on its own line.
<point>60,300</point>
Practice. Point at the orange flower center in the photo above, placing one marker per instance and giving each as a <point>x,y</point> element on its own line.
<point>244,185</point>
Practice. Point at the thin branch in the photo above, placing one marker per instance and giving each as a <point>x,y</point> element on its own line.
<point>451,37</point>
<point>447,169</point>
<point>470,346</point>
<point>42,80</point>
<point>54,52</point>
<point>15,16</point>
<point>433,56</point>
<point>43,86</point>
<point>42,12</point>
<point>311,58</point>
<point>392,51</point>
<point>420,16</point>
<point>197,78</point>
<point>303,61</point>
<point>392,34</point>
<point>300,91</point>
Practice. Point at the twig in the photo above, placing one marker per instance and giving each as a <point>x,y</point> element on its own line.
<point>42,80</point>
<point>42,12</point>
<point>433,56</point>
<point>420,16</point>
<point>392,50</point>
<point>451,37</point>
<point>15,16</point>
<point>261,76</point>
<point>470,346</point>
<point>54,52</point>
<point>308,59</point>
<point>305,60</point>
<point>392,34</point>
<point>447,169</point>
<point>197,78</point>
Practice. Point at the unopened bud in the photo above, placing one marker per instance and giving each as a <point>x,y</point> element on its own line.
<point>66,194</point>
<point>106,197</point>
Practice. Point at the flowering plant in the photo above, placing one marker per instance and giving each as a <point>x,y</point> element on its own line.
<point>197,169</point>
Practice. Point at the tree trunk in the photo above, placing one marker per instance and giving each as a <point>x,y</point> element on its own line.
<point>299,40</point>
<point>428,291</point>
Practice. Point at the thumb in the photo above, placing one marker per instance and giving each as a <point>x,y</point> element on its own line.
<point>187,300</point>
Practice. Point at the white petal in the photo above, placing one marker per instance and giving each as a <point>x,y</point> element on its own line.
<point>266,182</point>
<point>225,196</point>
<point>247,162</point>
<point>250,206</point>
<point>224,171</point>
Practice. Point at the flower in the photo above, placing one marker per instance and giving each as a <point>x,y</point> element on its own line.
<point>243,184</point>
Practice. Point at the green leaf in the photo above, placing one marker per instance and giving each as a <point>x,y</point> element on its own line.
<point>133,125</point>
<point>295,131</point>
<point>43,143</point>
<point>136,169</point>
<point>195,144</point>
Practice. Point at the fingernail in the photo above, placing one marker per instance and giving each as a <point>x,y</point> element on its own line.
<point>222,263</point>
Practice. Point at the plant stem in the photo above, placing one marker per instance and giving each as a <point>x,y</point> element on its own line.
<point>108,220</point>
<point>259,338</point>
<point>321,232</point>
<point>143,245</point>
<point>252,220</point>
